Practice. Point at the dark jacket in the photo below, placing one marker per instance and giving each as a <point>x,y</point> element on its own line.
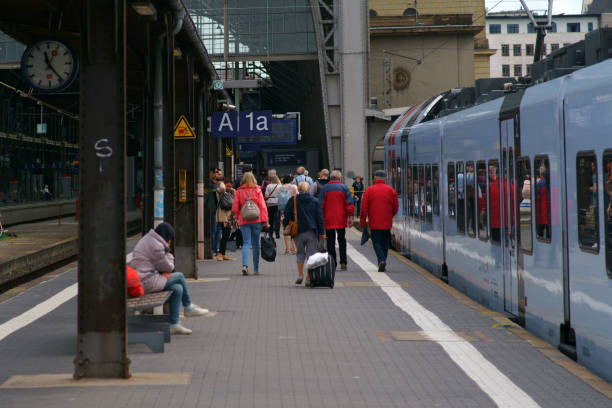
<point>309,214</point>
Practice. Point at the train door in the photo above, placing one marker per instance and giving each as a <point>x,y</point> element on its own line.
<point>508,225</point>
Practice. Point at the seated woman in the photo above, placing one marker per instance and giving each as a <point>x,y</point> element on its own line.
<point>310,226</point>
<point>155,266</point>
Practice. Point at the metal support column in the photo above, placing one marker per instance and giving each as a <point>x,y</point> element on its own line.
<point>102,333</point>
<point>185,160</point>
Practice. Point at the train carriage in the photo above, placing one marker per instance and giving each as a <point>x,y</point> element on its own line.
<point>510,201</point>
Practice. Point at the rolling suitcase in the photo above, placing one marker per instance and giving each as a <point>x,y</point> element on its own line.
<point>323,276</point>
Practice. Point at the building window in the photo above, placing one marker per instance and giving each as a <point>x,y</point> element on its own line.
<point>554,28</point>
<point>573,27</point>
<point>516,50</point>
<point>518,70</point>
<point>590,25</point>
<point>506,70</point>
<point>528,69</point>
<point>530,28</point>
<point>529,49</point>
<point>410,11</point>
<point>512,28</point>
<point>494,28</point>
<point>505,50</point>
<point>373,13</point>
<point>541,167</point>
<point>554,47</point>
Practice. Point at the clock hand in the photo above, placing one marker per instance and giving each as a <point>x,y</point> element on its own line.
<point>55,72</point>
<point>47,60</point>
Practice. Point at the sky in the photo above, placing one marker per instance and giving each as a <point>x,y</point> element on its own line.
<point>559,6</point>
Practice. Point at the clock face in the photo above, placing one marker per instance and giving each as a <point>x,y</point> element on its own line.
<point>49,65</point>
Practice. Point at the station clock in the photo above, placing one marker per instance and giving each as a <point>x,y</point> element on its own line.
<point>49,64</point>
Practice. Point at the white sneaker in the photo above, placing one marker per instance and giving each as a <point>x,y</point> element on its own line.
<point>195,310</point>
<point>179,329</point>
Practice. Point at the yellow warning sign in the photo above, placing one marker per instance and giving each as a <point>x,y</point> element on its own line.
<point>183,130</point>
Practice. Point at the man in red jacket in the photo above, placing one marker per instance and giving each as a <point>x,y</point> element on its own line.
<point>379,205</point>
<point>337,204</point>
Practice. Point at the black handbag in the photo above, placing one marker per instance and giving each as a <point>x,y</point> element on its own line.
<point>267,246</point>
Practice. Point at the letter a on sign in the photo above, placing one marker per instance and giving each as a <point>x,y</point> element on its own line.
<point>183,130</point>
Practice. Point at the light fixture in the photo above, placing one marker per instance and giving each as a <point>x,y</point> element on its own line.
<point>144,8</point>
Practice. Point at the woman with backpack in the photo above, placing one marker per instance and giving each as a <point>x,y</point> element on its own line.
<point>225,197</point>
<point>287,191</point>
<point>250,209</point>
<point>271,193</point>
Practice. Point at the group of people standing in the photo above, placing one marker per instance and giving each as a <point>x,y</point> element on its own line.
<point>321,208</point>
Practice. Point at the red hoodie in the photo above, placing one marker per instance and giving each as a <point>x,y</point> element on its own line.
<point>379,204</point>
<point>256,196</point>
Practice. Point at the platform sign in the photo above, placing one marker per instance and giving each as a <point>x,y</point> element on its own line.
<point>253,124</point>
<point>218,85</point>
<point>183,130</point>
<point>284,132</point>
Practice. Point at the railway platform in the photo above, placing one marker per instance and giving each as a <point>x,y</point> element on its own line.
<point>396,339</point>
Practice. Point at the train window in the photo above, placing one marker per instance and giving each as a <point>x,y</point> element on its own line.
<point>428,208</point>
<point>470,198</point>
<point>460,199</point>
<point>408,195</point>
<point>541,168</point>
<point>399,178</point>
<point>523,175</point>
<point>588,216</point>
<point>511,192</point>
<point>481,200</point>
<point>607,185</point>
<point>422,191</point>
<point>435,175</point>
<point>451,189</point>
<point>415,191</point>
<point>494,204</point>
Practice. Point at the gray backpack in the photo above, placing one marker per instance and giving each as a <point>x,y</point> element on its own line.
<point>250,210</point>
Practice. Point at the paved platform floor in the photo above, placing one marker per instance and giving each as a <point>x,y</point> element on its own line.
<point>398,339</point>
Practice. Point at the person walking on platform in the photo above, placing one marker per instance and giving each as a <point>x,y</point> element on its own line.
<point>379,205</point>
<point>154,264</point>
<point>271,193</point>
<point>223,216</point>
<point>310,226</point>
<point>338,208</point>
<point>288,191</point>
<point>302,175</point>
<point>358,192</point>
<point>319,183</point>
<point>249,195</point>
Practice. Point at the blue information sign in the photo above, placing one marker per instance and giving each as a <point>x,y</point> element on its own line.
<point>251,124</point>
<point>283,133</point>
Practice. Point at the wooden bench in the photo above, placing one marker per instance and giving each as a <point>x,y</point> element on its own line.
<point>152,330</point>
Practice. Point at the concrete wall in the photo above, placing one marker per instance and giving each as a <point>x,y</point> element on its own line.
<point>447,62</point>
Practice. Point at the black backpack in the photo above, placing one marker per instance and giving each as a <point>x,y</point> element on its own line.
<point>226,201</point>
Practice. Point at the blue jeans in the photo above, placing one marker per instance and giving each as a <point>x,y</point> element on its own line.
<point>381,240</point>
<point>214,234</point>
<point>250,236</point>
<point>180,294</point>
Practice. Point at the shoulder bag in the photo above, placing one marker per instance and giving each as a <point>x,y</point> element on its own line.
<point>292,228</point>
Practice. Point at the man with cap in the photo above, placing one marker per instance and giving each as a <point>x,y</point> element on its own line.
<point>154,263</point>
<point>379,205</point>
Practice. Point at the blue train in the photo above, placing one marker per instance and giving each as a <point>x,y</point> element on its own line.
<point>510,202</point>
